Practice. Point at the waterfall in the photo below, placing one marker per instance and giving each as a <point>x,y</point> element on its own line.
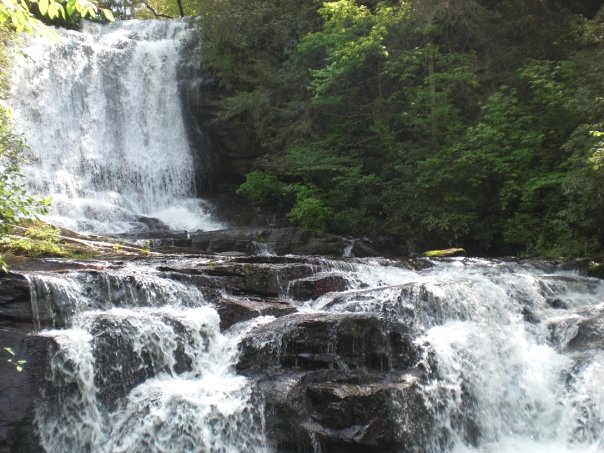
<point>101,113</point>
<point>507,371</point>
<point>140,365</point>
<point>509,356</point>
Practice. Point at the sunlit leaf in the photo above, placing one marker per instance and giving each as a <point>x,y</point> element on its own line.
<point>108,14</point>
<point>52,10</point>
<point>43,6</point>
<point>71,7</point>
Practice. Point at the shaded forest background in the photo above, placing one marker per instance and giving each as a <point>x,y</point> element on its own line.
<point>463,122</point>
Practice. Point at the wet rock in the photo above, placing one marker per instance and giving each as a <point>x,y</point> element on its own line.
<point>15,302</point>
<point>529,316</point>
<point>17,432</point>
<point>255,240</point>
<point>233,310</point>
<point>123,359</point>
<point>261,280</point>
<point>589,334</point>
<point>557,304</point>
<point>326,341</point>
<point>352,411</point>
<point>311,288</point>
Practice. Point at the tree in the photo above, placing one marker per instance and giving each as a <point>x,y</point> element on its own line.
<point>19,15</point>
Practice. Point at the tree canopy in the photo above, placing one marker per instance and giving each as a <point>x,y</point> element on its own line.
<point>460,122</point>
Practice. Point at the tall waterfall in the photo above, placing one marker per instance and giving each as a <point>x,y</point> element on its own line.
<point>101,113</point>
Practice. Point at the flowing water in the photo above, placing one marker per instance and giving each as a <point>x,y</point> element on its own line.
<point>101,113</point>
<point>141,365</point>
<point>138,362</point>
<point>509,373</point>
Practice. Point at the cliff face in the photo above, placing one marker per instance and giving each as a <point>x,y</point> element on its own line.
<point>16,400</point>
<point>224,151</point>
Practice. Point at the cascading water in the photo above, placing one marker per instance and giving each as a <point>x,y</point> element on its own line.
<point>510,356</point>
<point>101,113</point>
<point>506,357</point>
<point>140,365</point>
<point>508,371</point>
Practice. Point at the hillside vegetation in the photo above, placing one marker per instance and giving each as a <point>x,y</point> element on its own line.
<point>463,122</point>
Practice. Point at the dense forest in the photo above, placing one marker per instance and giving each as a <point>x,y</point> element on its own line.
<point>462,122</point>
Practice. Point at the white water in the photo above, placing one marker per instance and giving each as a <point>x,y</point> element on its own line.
<point>149,371</point>
<point>101,113</point>
<point>503,376</point>
<point>500,383</point>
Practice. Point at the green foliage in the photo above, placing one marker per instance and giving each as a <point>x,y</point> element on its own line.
<point>39,239</point>
<point>19,14</point>
<point>466,122</point>
<point>15,203</point>
<point>309,211</point>
<point>151,9</point>
<point>260,187</point>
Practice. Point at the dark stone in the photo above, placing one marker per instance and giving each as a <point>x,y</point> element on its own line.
<point>260,279</point>
<point>254,241</point>
<point>529,316</point>
<point>233,310</point>
<point>120,366</point>
<point>17,432</point>
<point>15,303</point>
<point>345,411</point>
<point>328,341</point>
<point>557,304</point>
<point>311,288</point>
<point>590,333</point>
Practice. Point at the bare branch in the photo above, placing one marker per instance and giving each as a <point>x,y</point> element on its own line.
<point>155,13</point>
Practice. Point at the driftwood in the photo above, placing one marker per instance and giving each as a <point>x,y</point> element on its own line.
<point>445,252</point>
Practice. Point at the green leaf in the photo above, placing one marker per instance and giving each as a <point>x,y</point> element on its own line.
<point>108,14</point>
<point>10,351</point>
<point>52,10</point>
<point>43,6</point>
<point>71,7</point>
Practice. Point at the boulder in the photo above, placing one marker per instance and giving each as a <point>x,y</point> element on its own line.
<point>17,433</point>
<point>122,362</point>
<point>589,334</point>
<point>15,302</point>
<point>328,341</point>
<point>345,411</point>
<point>311,288</point>
<point>238,309</point>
